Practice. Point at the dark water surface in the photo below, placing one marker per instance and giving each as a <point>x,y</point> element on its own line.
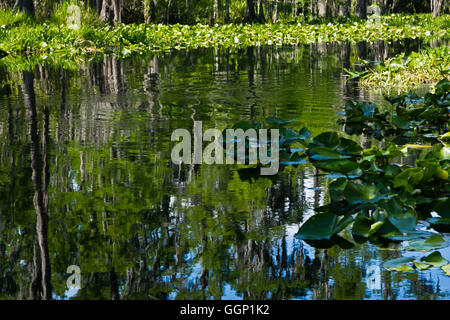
<point>92,149</point>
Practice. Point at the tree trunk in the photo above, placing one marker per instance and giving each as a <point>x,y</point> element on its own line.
<point>275,12</point>
<point>294,9</point>
<point>26,6</point>
<point>361,9</point>
<point>150,11</point>
<point>322,8</point>
<point>227,11</point>
<point>313,7</point>
<point>344,8</point>
<point>261,17</point>
<point>111,11</point>
<point>437,7</point>
<point>250,14</point>
<point>214,11</point>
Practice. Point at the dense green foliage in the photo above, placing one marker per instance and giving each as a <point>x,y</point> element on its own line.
<point>53,39</point>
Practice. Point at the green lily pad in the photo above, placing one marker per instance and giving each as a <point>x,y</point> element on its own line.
<point>435,259</point>
<point>400,123</point>
<point>324,153</point>
<point>440,224</point>
<point>365,227</point>
<point>443,208</point>
<point>362,193</point>
<point>422,266</point>
<point>327,139</point>
<point>322,226</point>
<point>278,121</point>
<point>399,264</point>
<point>432,243</point>
<point>342,165</point>
<point>304,134</point>
<point>446,269</point>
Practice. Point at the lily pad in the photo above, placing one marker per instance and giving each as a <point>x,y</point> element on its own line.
<point>432,243</point>
<point>435,259</point>
<point>278,121</point>
<point>446,269</point>
<point>322,226</point>
<point>422,266</point>
<point>399,264</point>
<point>362,193</point>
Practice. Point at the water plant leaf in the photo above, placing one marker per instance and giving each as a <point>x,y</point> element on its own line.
<point>324,153</point>
<point>327,139</point>
<point>435,259</point>
<point>443,208</point>
<point>322,226</point>
<point>278,121</point>
<point>422,266</point>
<point>399,264</point>
<point>362,193</point>
<point>341,165</point>
<point>440,224</point>
<point>446,269</point>
<point>365,227</point>
<point>304,134</point>
<point>400,123</point>
<point>432,243</point>
<point>408,179</point>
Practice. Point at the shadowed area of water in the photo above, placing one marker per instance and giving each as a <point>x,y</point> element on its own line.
<point>86,179</point>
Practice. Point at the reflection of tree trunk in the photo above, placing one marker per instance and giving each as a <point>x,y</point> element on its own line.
<point>361,49</point>
<point>40,177</point>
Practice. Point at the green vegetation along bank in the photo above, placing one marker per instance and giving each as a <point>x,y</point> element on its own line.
<point>401,72</point>
<point>22,37</point>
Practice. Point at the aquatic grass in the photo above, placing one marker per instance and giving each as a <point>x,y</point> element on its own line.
<point>402,73</point>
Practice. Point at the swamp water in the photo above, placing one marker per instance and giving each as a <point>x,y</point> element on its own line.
<point>92,148</point>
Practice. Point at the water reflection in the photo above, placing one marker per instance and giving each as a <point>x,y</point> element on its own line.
<point>86,179</point>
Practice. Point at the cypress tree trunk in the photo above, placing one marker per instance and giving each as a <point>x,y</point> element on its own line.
<point>227,11</point>
<point>250,14</point>
<point>149,11</point>
<point>26,6</point>
<point>437,7</point>
<point>261,17</point>
<point>111,11</point>
<point>361,9</point>
<point>275,12</point>
<point>322,7</point>
<point>344,8</point>
<point>214,11</point>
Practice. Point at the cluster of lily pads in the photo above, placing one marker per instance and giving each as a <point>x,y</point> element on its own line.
<point>372,194</point>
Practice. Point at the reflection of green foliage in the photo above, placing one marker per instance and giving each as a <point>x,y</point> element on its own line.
<point>132,220</point>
